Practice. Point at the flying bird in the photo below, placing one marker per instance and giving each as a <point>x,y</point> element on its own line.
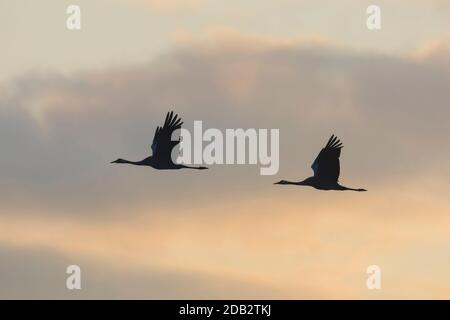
<point>162,146</point>
<point>326,169</point>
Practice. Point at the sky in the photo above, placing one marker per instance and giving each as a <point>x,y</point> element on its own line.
<point>72,101</point>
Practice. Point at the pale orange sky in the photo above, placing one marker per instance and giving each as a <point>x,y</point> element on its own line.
<point>71,103</point>
<point>117,32</point>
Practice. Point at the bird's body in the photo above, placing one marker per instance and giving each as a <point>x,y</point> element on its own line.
<point>162,145</point>
<point>326,169</point>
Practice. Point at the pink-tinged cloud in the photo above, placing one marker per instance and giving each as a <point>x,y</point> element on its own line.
<point>436,52</point>
<point>59,192</point>
<point>170,5</point>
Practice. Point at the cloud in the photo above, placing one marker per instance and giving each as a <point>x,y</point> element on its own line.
<point>170,5</point>
<point>59,134</point>
<point>268,248</point>
<point>219,36</point>
<point>59,192</point>
<point>436,52</point>
<point>41,274</point>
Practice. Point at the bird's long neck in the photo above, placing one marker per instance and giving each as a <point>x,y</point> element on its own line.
<point>136,163</point>
<point>297,183</point>
<point>305,182</point>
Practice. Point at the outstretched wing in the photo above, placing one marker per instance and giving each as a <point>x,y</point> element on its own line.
<point>326,166</point>
<point>162,141</point>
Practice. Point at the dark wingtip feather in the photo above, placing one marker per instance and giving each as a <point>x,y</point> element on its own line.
<point>167,119</point>
<point>170,119</point>
<point>330,141</point>
<point>176,122</point>
<point>335,142</point>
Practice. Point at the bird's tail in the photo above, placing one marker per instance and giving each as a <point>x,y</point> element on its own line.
<point>198,168</point>
<point>359,189</point>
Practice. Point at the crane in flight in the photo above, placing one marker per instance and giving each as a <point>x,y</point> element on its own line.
<point>162,146</point>
<point>326,169</point>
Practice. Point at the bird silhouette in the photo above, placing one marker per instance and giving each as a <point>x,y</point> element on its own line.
<point>162,146</point>
<point>326,169</point>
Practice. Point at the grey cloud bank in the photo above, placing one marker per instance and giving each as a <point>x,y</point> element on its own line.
<point>58,134</point>
<point>40,274</point>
